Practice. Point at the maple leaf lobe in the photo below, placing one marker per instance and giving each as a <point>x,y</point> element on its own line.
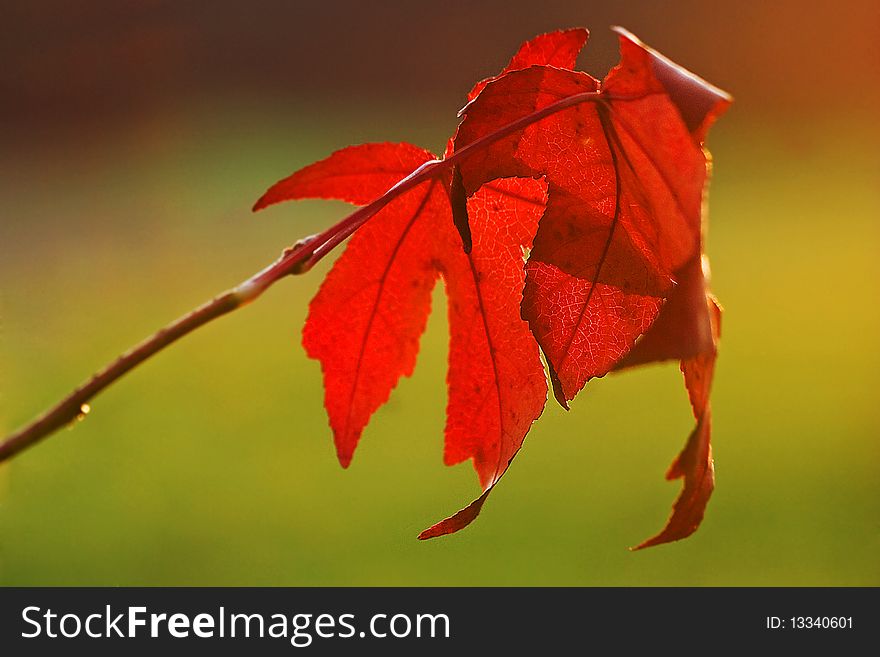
<point>355,174</point>
<point>699,102</point>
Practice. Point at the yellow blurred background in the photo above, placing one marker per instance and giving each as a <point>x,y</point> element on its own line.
<point>137,135</point>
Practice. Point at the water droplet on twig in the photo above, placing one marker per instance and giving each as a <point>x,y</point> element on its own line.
<point>84,410</point>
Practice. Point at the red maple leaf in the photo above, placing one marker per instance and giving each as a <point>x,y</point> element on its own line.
<point>601,184</point>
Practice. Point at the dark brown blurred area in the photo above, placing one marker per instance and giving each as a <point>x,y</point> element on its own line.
<point>68,66</point>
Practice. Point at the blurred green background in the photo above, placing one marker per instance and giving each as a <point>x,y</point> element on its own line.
<point>136,138</point>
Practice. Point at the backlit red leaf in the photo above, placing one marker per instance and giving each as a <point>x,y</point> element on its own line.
<point>565,217</point>
<point>626,181</point>
<point>365,322</point>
